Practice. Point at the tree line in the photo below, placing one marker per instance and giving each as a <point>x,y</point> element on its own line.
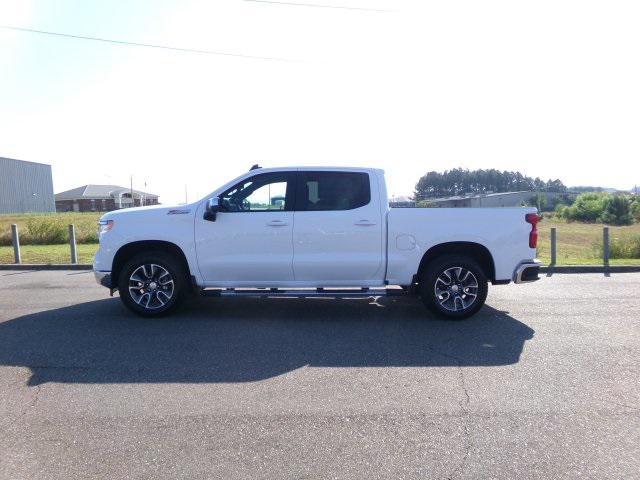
<point>591,205</point>
<point>460,181</point>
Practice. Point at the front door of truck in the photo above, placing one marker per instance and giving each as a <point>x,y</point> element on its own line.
<point>251,239</point>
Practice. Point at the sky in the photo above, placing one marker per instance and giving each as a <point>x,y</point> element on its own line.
<point>548,88</point>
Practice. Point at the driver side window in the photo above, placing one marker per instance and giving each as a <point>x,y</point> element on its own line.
<point>261,193</point>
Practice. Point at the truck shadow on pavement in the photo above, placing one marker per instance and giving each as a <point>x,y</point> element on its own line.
<point>244,339</point>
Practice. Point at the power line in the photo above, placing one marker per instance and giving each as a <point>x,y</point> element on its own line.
<point>148,45</point>
<point>297,4</point>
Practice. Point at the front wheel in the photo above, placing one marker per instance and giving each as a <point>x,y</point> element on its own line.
<point>453,286</point>
<point>151,284</point>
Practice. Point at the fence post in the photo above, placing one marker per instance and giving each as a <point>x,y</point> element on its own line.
<point>605,247</point>
<point>72,243</point>
<point>16,243</point>
<point>553,246</point>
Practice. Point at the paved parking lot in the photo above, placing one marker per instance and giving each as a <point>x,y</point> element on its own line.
<point>543,383</point>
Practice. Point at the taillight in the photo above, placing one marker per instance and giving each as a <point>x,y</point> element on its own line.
<point>533,219</point>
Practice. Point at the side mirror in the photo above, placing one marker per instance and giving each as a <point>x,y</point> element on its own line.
<point>211,209</point>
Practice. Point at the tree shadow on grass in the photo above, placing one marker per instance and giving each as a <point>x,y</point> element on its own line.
<point>245,339</point>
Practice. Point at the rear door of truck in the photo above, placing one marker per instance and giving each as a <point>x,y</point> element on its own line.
<point>338,228</point>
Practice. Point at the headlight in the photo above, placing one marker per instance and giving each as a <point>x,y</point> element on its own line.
<point>104,226</point>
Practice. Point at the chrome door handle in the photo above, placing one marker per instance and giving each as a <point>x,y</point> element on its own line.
<point>364,223</point>
<point>277,223</point>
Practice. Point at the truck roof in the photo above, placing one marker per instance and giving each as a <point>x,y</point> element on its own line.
<point>318,168</point>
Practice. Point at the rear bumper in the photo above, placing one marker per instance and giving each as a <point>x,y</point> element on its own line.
<point>527,272</point>
<point>103,278</point>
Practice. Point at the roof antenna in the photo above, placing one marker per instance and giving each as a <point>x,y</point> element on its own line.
<point>255,167</point>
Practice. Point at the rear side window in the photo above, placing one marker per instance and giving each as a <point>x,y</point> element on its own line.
<point>332,191</point>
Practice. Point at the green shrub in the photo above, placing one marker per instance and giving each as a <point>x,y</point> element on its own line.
<point>45,231</point>
<point>635,208</point>
<point>5,238</point>
<point>87,235</point>
<point>561,211</point>
<point>588,207</point>
<point>601,207</point>
<point>617,210</point>
<point>624,246</point>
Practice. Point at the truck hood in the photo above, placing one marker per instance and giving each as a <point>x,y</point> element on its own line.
<point>149,211</point>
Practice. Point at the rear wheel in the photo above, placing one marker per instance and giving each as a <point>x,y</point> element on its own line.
<point>152,284</point>
<point>453,286</point>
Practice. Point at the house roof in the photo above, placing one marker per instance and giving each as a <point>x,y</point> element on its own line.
<point>98,192</point>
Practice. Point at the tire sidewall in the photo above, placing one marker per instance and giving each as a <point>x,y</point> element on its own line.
<point>165,261</point>
<point>435,269</point>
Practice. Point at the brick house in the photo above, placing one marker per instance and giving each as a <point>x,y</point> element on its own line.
<point>101,198</point>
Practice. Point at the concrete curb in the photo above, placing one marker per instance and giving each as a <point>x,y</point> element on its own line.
<point>45,266</point>
<point>590,269</point>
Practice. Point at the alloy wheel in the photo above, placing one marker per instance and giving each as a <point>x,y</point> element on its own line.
<point>456,289</point>
<point>151,286</point>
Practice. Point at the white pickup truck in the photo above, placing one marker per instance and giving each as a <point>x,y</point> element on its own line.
<point>313,231</point>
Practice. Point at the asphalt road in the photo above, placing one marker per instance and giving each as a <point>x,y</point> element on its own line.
<point>543,383</point>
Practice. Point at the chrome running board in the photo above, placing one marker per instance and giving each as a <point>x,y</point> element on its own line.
<point>304,292</point>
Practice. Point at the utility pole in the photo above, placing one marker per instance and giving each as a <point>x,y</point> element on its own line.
<point>132,202</point>
<point>143,197</point>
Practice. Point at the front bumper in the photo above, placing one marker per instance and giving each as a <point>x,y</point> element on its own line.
<point>527,272</point>
<point>103,278</point>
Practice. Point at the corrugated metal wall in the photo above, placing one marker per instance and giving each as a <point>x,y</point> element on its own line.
<point>25,187</point>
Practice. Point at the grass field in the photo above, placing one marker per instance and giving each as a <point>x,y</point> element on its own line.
<point>49,253</point>
<point>86,224</point>
<point>577,242</point>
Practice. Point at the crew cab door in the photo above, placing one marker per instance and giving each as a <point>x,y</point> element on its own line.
<point>250,240</point>
<point>338,231</point>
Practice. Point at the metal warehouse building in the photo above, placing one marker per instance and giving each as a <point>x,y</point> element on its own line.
<point>25,187</point>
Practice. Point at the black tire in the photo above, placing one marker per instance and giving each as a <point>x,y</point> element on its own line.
<point>462,295</point>
<point>164,297</point>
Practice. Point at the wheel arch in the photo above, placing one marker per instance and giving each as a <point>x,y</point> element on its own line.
<point>478,252</point>
<point>128,250</point>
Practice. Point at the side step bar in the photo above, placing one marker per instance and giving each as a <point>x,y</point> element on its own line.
<point>304,292</point>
